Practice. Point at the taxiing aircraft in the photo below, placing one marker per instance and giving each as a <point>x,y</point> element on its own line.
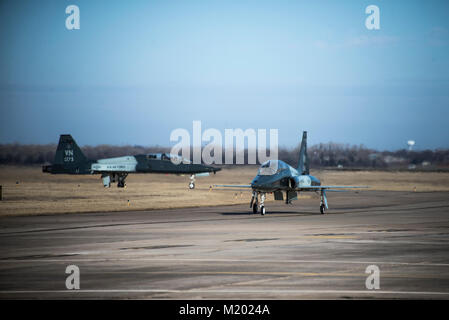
<point>276,176</point>
<point>69,159</point>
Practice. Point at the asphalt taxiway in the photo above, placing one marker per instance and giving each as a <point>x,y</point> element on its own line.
<point>293,252</point>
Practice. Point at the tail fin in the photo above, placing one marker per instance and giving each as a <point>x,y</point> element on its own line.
<point>303,163</point>
<point>68,153</point>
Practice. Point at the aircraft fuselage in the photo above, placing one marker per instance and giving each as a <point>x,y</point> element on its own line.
<point>286,178</point>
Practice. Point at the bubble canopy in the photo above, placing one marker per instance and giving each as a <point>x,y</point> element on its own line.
<point>167,157</point>
<point>271,167</point>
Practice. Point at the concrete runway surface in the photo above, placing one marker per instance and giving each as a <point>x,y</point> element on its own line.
<point>227,253</point>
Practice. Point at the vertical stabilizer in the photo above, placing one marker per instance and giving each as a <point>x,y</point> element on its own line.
<point>68,153</point>
<point>303,163</point>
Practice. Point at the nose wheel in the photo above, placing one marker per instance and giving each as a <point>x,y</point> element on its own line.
<point>323,202</point>
<point>262,202</point>
<point>255,207</point>
<point>192,182</point>
<point>322,208</point>
<point>254,204</point>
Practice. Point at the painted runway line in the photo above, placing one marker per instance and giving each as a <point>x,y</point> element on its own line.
<point>69,259</point>
<point>355,292</point>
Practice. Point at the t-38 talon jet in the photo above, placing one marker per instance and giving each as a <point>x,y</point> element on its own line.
<point>278,177</point>
<point>69,159</point>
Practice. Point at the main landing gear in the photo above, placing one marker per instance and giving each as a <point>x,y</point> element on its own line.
<point>254,204</point>
<point>322,208</point>
<point>323,202</point>
<point>114,177</point>
<point>192,182</point>
<point>121,180</point>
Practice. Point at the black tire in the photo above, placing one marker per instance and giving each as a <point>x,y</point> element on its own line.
<point>322,209</point>
<point>191,185</point>
<point>254,208</point>
<point>262,210</point>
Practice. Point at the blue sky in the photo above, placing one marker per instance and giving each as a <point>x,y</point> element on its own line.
<point>136,70</point>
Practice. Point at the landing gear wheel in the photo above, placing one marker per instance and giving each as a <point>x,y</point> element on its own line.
<point>322,209</point>
<point>262,210</point>
<point>254,208</point>
<point>191,185</point>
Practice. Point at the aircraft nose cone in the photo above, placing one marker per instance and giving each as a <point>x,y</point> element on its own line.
<point>255,183</point>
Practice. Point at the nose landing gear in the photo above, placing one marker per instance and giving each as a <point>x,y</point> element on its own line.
<point>192,182</point>
<point>254,207</point>
<point>262,201</point>
<point>322,208</point>
<point>255,202</point>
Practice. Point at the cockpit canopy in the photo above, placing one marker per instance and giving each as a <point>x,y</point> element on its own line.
<point>271,167</point>
<point>167,157</point>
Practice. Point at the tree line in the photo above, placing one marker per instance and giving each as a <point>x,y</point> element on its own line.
<point>320,155</point>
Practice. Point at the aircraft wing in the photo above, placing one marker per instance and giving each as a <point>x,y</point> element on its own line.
<point>232,185</point>
<point>298,189</point>
<point>329,188</point>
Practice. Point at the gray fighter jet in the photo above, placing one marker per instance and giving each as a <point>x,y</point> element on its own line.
<point>69,159</point>
<point>276,176</point>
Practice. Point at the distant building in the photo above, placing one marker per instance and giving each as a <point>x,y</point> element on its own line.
<point>391,159</point>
